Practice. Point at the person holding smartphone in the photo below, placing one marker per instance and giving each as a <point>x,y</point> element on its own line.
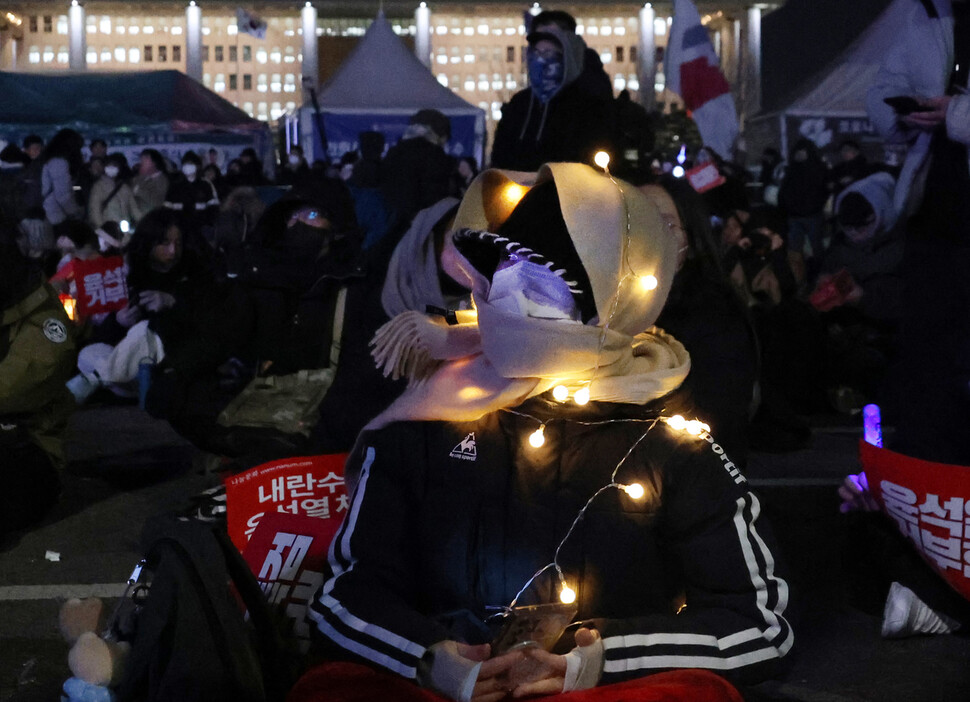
<point>920,98</point>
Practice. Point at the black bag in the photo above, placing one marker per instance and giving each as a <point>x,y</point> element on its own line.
<point>191,641</point>
<point>30,190</point>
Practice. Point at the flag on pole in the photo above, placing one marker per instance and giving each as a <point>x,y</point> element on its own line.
<point>248,23</point>
<point>694,73</point>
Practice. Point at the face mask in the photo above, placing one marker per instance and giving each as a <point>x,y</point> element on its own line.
<point>545,75</point>
<point>189,170</point>
<point>530,290</point>
<point>295,160</point>
<point>111,171</point>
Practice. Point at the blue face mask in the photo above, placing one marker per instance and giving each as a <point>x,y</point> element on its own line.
<point>545,75</point>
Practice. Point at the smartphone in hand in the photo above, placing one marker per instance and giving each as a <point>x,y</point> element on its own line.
<point>904,104</point>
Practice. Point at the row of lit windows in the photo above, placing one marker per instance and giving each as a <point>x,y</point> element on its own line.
<point>105,24</point>
<point>159,54</point>
<point>496,54</point>
<point>511,81</point>
<point>272,83</point>
<point>265,110</point>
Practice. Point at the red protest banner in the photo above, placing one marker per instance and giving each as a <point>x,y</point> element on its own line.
<point>310,485</point>
<point>287,553</point>
<point>704,177</point>
<point>101,285</point>
<point>930,503</point>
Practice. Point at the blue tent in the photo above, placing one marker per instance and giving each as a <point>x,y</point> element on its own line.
<point>379,86</point>
<point>131,111</point>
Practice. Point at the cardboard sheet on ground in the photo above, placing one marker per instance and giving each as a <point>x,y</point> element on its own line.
<point>930,503</point>
<point>312,486</point>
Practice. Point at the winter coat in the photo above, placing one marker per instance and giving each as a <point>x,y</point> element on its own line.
<point>804,189</point>
<point>149,192</point>
<point>415,174</point>
<point>57,187</point>
<point>37,356</point>
<point>449,520</point>
<point>572,126</point>
<point>119,207</point>
<point>918,64</point>
<point>196,200</point>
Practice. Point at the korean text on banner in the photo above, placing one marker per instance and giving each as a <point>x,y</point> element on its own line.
<point>930,503</point>
<point>101,285</point>
<point>312,486</point>
<point>287,554</point>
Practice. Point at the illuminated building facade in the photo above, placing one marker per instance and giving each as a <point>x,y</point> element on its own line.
<point>475,49</point>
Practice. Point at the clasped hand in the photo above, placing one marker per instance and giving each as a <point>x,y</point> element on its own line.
<point>520,673</point>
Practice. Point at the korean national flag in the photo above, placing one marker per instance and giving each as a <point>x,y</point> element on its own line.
<point>248,23</point>
<point>694,73</point>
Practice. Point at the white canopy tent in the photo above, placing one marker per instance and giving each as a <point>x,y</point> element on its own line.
<point>378,87</point>
<point>832,105</point>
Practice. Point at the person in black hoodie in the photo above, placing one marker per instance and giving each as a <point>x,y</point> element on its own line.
<point>802,195</point>
<point>561,116</point>
<point>305,299</point>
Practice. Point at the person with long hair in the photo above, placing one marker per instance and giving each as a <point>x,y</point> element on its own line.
<point>62,161</point>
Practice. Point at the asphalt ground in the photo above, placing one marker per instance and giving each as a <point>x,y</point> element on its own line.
<point>125,466</point>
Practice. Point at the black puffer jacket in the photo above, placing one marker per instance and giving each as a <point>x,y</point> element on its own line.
<point>450,519</point>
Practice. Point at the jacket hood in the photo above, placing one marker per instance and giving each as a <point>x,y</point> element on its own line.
<point>878,190</point>
<point>573,52</point>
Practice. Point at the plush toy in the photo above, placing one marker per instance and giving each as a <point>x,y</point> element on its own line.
<point>95,662</point>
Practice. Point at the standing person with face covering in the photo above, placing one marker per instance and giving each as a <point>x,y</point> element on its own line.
<point>558,117</point>
<point>193,197</point>
<point>112,199</point>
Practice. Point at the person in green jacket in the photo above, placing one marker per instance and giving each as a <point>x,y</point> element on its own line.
<point>37,355</point>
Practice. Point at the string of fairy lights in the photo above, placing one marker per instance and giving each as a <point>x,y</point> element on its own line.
<point>581,396</point>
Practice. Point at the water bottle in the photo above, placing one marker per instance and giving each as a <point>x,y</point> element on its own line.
<point>145,368</point>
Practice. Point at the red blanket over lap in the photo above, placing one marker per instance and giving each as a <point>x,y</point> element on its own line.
<point>350,682</point>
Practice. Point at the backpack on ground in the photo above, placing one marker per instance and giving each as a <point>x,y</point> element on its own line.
<point>192,642</point>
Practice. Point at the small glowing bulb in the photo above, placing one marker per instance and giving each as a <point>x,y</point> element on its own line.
<point>124,226</point>
<point>537,438</point>
<point>513,193</point>
<point>560,393</point>
<point>582,396</point>
<point>678,171</point>
<point>602,159</point>
<point>567,595</point>
<point>634,490</point>
<point>693,427</point>
<point>677,422</point>
<point>648,282</point>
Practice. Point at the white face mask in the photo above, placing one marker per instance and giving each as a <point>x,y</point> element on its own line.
<point>189,170</point>
<point>111,171</point>
<point>531,290</point>
<point>295,160</point>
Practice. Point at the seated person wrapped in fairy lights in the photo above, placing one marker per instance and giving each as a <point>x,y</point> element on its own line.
<point>468,489</point>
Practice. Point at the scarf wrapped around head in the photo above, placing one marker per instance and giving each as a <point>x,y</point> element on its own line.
<point>605,245</point>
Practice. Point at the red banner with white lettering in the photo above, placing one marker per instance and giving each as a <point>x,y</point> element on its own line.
<point>287,554</point>
<point>705,177</point>
<point>101,285</point>
<point>930,503</point>
<point>312,486</point>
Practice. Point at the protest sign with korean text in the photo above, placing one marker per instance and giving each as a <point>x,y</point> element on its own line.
<point>101,285</point>
<point>310,485</point>
<point>930,503</point>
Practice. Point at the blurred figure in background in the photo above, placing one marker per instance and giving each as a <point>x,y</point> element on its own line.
<point>36,358</point>
<point>150,186</point>
<point>112,199</point>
